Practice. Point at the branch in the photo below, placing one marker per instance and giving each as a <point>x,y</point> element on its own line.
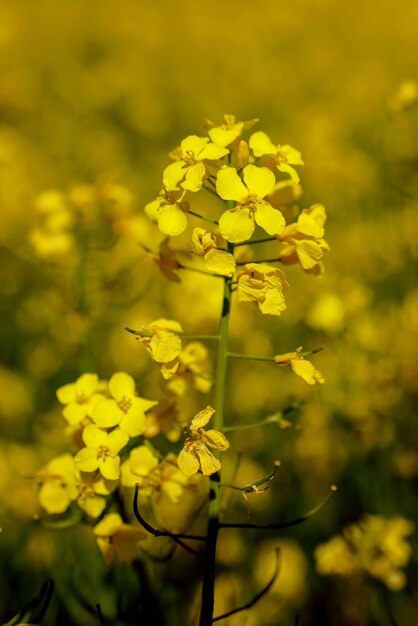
<point>250,243</point>
<point>202,217</point>
<point>292,522</point>
<point>259,595</point>
<point>161,524</point>
<point>100,614</point>
<point>156,531</point>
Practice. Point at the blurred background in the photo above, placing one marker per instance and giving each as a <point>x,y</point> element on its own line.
<point>93,96</point>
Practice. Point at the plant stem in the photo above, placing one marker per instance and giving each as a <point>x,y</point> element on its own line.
<point>250,243</point>
<point>198,271</point>
<point>208,583</point>
<point>250,357</point>
<point>203,217</point>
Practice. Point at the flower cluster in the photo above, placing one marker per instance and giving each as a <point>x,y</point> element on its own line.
<point>375,546</point>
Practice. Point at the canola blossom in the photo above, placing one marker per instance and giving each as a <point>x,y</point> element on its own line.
<point>284,156</point>
<point>195,454</point>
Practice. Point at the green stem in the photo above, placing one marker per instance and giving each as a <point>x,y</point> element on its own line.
<point>199,337</point>
<point>250,357</point>
<point>250,243</point>
<point>199,271</point>
<point>268,420</point>
<point>202,217</point>
<point>208,583</point>
<point>275,260</point>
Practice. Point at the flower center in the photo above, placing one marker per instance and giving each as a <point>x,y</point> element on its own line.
<point>125,404</point>
<point>103,452</point>
<point>189,158</point>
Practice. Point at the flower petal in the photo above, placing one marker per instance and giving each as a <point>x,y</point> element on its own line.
<point>260,143</point>
<point>212,152</point>
<point>274,302</point>
<point>203,417</point>
<point>220,262</point>
<point>215,439</point>
<point>259,180</point>
<point>93,437</point>
<point>172,220</point>
<point>173,174</point>
<point>187,463</point>
<point>121,385</point>
<point>67,393</point>
<point>116,441</point>
<point>307,371</point>
<point>106,413</point>
<point>109,467</point>
<point>236,225</point>
<point>208,462</point>
<point>193,144</point>
<point>194,177</point>
<point>229,185</point>
<point>165,346</point>
<point>86,460</point>
<point>270,219</point>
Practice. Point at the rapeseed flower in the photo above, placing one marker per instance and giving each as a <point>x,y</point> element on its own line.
<point>58,484</point>
<point>217,261</point>
<point>302,368</point>
<point>230,130</point>
<point>163,343</point>
<point>169,210</point>
<point>264,284</point>
<point>117,540</point>
<point>101,451</point>
<point>304,243</point>
<point>238,224</point>
<point>124,408</point>
<point>189,169</point>
<point>80,397</point>
<point>195,453</point>
<point>193,369</point>
<point>284,156</point>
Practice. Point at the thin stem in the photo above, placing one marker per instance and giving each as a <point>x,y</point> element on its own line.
<point>200,337</point>
<point>212,191</point>
<point>275,260</point>
<point>286,524</point>
<point>203,217</point>
<point>208,583</point>
<point>250,357</point>
<point>250,243</point>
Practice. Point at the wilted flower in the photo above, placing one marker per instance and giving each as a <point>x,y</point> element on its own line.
<point>195,453</point>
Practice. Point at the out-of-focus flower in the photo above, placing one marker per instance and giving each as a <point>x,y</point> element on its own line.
<point>116,540</point>
<point>58,484</point>
<point>92,492</point>
<point>304,241</point>
<point>166,259</point>
<point>218,261</point>
<point>189,165</point>
<point>195,453</point>
<point>163,343</point>
<point>137,467</point>
<point>264,284</point>
<point>238,224</point>
<point>229,131</point>
<point>101,451</point>
<point>164,418</point>
<point>405,97</point>
<point>123,408</point>
<point>80,397</point>
<point>284,156</point>
<point>52,235</point>
<point>168,210</point>
<point>302,368</point>
<point>193,369</point>
<point>375,545</point>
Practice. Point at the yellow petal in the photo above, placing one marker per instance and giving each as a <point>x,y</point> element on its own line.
<point>274,302</point>
<point>172,220</point>
<point>108,525</point>
<point>250,289</point>
<point>259,180</point>
<point>311,221</point>
<point>109,467</point>
<point>225,136</point>
<point>215,439</point>
<point>106,413</point>
<point>288,169</point>
<point>153,210</point>
<point>236,225</point>
<point>173,174</point>
<point>86,460</point>
<point>307,371</point>
<point>309,253</point>
<point>116,440</point>
<point>67,393</point>
<point>92,505</point>
<point>290,154</point>
<point>270,219</point>
<point>54,498</point>
<point>142,461</point>
<point>74,413</point>
<point>229,185</point>
<point>187,463</point>
<point>169,369</point>
<point>213,152</point>
<point>87,384</point>
<point>260,143</point>
<point>127,477</point>
<point>165,346</point>
<point>122,385</point>
<point>208,463</point>
<point>220,262</point>
<point>194,177</point>
<point>134,423</point>
<point>93,437</point>
<point>203,417</point>
<point>193,144</point>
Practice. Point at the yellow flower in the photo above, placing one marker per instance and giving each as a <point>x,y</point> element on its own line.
<point>52,236</point>
<point>238,224</point>
<point>137,467</point>
<point>101,451</point>
<point>92,489</point>
<point>168,210</point>
<point>116,540</point>
<point>303,240</point>
<point>80,398</point>
<point>124,408</point>
<point>284,156</point>
<point>163,343</point>
<point>58,484</point>
<point>189,166</point>
<point>405,97</point>
<point>195,453</point>
<point>164,418</point>
<point>218,261</point>
<point>302,368</point>
<point>229,131</point>
<point>264,284</point>
<point>193,369</point>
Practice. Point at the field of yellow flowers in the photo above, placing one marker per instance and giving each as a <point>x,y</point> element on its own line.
<point>209,334</point>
